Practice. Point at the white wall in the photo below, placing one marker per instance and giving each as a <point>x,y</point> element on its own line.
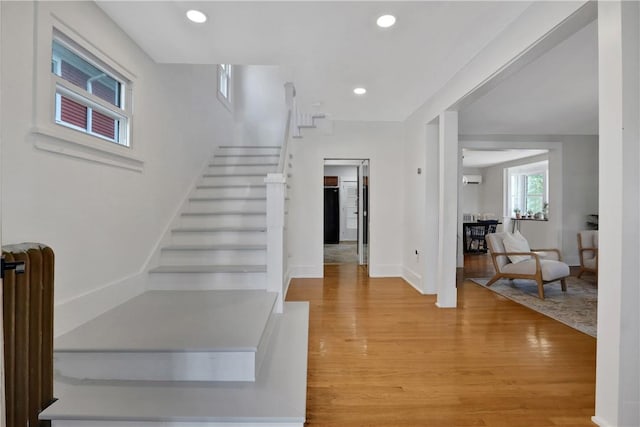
<point>344,173</point>
<point>382,144</point>
<point>492,199</point>
<point>580,189</point>
<point>472,193</point>
<point>259,104</point>
<point>102,221</point>
<point>415,209</point>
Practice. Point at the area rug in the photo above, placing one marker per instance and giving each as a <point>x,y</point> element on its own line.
<point>576,308</point>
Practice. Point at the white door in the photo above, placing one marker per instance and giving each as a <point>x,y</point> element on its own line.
<point>349,214</point>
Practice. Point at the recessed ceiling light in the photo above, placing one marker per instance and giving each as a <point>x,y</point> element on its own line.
<point>359,91</point>
<point>196,16</point>
<point>386,21</point>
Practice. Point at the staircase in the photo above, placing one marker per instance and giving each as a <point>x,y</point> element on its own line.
<point>219,241</point>
<point>203,346</point>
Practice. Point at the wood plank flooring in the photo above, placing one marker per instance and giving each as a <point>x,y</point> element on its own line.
<point>381,354</point>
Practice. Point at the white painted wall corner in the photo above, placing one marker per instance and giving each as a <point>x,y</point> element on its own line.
<point>74,312</point>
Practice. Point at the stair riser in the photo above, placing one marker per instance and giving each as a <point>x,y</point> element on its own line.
<point>239,170</point>
<point>254,237</point>
<point>246,159</point>
<point>213,257</point>
<point>206,281</point>
<point>217,205</point>
<point>233,180</point>
<point>93,423</point>
<point>223,220</point>
<point>253,150</point>
<point>158,366</point>
<point>231,192</point>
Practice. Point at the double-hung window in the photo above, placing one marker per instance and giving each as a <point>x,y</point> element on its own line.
<point>224,84</point>
<point>89,95</point>
<point>528,187</point>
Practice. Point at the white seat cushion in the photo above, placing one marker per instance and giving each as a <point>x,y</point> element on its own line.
<point>551,270</point>
<point>516,243</point>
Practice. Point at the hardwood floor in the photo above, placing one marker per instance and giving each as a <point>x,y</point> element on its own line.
<point>382,354</point>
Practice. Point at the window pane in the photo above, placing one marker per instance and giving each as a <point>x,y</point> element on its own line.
<point>535,184</point>
<point>81,73</point>
<point>73,113</point>
<point>107,88</point>
<point>103,125</point>
<point>534,204</point>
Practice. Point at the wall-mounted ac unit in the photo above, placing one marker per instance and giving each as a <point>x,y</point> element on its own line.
<point>472,179</point>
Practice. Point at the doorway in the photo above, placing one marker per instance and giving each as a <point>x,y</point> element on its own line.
<point>346,206</point>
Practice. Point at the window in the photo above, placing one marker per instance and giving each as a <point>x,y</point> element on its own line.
<point>89,97</point>
<point>528,187</point>
<point>224,84</point>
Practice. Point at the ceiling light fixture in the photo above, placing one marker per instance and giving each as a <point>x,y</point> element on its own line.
<point>196,16</point>
<point>359,91</point>
<point>386,21</point>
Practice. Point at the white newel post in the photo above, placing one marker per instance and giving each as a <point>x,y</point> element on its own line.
<point>275,236</point>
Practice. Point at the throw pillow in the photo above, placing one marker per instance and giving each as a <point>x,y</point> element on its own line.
<point>516,243</point>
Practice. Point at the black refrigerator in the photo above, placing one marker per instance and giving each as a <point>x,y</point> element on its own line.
<point>331,215</point>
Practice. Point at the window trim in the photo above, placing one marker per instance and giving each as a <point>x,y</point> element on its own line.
<point>53,137</point>
<point>536,168</point>
<point>227,101</point>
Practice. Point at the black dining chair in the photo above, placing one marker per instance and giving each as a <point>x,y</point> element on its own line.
<point>478,233</point>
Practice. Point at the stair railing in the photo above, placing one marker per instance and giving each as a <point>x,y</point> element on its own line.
<point>276,212</point>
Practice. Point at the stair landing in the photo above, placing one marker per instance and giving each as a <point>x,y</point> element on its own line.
<point>172,335</point>
<point>276,398</point>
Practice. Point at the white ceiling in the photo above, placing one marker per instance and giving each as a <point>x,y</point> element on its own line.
<point>555,95</point>
<point>486,158</point>
<point>329,47</point>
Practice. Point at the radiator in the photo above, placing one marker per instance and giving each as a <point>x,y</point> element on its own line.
<point>28,333</point>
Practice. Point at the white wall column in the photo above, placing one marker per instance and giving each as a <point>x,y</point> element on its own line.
<point>448,209</point>
<point>618,361</point>
<point>432,209</point>
<point>275,236</point>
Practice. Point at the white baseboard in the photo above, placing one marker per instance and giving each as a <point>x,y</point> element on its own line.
<point>385,270</point>
<point>74,312</point>
<point>287,282</point>
<point>412,278</point>
<point>306,271</point>
<point>600,422</point>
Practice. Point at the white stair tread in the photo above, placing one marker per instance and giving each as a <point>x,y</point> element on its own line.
<point>220,175</point>
<point>232,186</point>
<point>277,395</point>
<point>224,165</point>
<point>216,229</point>
<point>224,213</point>
<point>214,199</point>
<point>176,321</point>
<point>249,155</point>
<point>220,247</point>
<point>249,146</point>
<point>209,269</point>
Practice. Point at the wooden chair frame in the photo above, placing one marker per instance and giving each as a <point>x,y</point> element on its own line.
<point>537,276</point>
<point>583,268</point>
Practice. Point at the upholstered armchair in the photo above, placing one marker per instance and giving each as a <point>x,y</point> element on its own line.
<point>588,249</point>
<point>517,261</point>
